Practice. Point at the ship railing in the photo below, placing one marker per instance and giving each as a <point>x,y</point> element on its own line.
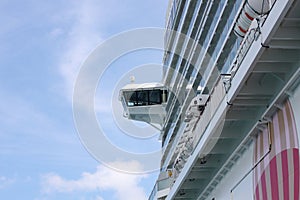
<point>216,97</point>
<point>250,37</point>
<point>161,187</point>
<point>193,136</point>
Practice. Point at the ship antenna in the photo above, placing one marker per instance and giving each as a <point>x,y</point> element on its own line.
<point>132,79</point>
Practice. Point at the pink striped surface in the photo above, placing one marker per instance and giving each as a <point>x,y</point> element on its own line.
<point>277,177</point>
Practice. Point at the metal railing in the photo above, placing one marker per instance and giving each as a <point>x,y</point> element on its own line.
<point>196,132</point>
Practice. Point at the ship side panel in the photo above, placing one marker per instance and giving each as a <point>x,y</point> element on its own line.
<point>276,176</point>
<point>245,188</point>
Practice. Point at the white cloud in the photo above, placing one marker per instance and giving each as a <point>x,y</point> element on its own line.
<point>125,186</point>
<point>5,182</point>
<point>82,38</point>
<point>56,32</point>
<point>99,198</point>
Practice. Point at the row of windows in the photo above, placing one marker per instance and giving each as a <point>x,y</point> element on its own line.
<point>145,97</point>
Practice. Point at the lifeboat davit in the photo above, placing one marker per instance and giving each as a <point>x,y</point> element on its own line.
<point>250,10</point>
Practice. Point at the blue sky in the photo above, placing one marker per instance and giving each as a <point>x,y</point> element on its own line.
<point>43,44</point>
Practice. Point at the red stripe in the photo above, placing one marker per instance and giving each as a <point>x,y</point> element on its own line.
<point>264,186</point>
<point>248,16</point>
<point>296,173</point>
<point>274,179</point>
<point>285,175</point>
<point>243,30</point>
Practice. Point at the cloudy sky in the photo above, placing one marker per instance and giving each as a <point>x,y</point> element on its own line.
<point>43,46</point>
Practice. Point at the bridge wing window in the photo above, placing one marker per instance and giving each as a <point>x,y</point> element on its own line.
<point>142,97</point>
<point>154,97</point>
<point>131,98</point>
<point>145,97</point>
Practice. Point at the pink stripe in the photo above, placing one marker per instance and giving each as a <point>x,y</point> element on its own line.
<point>264,187</point>
<point>257,193</point>
<point>274,179</point>
<point>296,173</point>
<point>285,174</point>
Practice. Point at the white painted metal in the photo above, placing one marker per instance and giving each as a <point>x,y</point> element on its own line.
<point>152,114</point>
<point>251,57</point>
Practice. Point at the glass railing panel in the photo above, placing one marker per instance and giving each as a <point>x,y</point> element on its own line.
<point>164,184</point>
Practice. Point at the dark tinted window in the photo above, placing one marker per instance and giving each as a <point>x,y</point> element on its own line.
<point>142,97</point>
<point>145,97</point>
<point>131,98</point>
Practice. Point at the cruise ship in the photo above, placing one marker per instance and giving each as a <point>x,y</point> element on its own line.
<point>228,107</point>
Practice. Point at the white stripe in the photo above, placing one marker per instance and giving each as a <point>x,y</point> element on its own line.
<point>268,182</point>
<point>260,191</point>
<point>286,128</point>
<point>276,137</point>
<point>279,174</point>
<point>291,172</point>
<point>258,157</point>
<point>295,132</point>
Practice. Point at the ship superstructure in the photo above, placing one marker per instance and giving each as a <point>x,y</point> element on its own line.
<point>229,104</point>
